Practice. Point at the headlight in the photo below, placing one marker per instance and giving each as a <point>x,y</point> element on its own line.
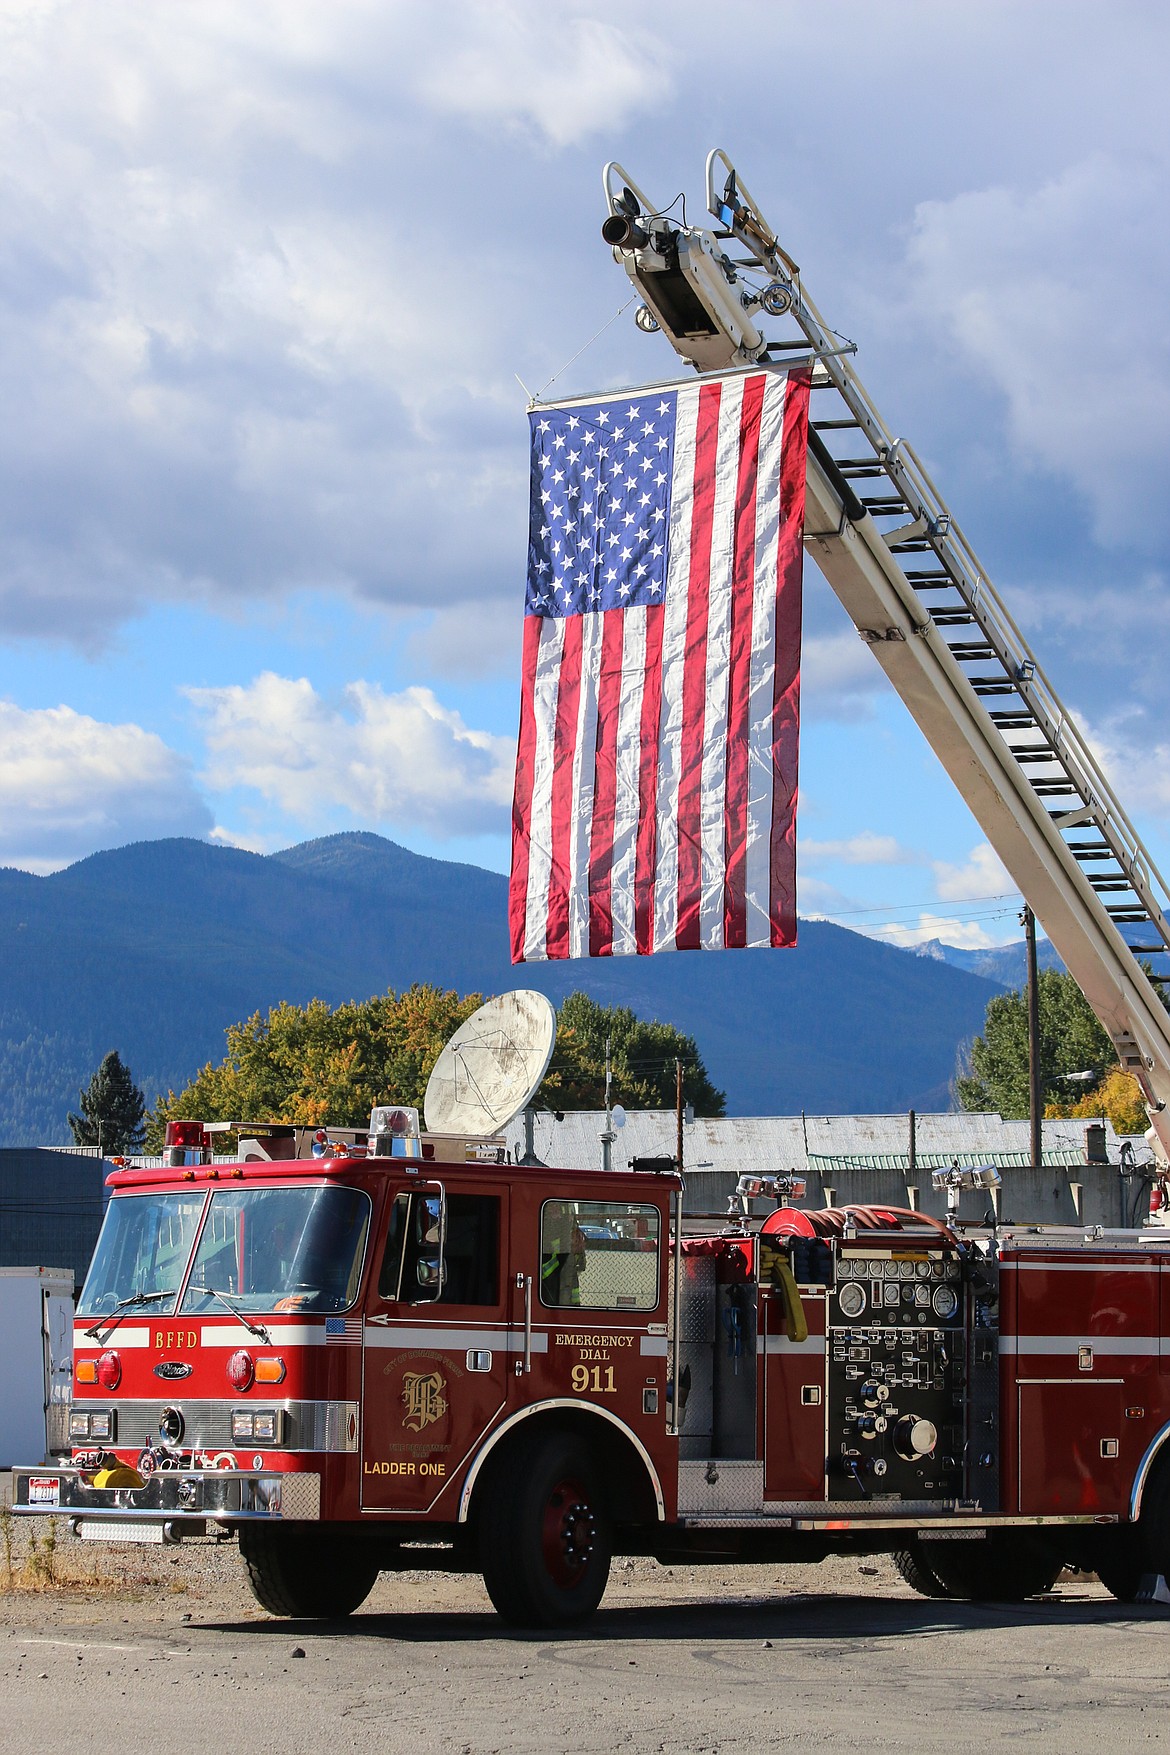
<point>260,1425</point>
<point>87,1423</point>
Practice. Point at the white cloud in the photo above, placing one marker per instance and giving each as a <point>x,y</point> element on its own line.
<point>839,677</point>
<point>1134,762</point>
<point>1051,293</point>
<point>980,877</point>
<point>529,64</point>
<point>399,760</point>
<point>965,935</point>
<point>865,848</point>
<point>70,785</point>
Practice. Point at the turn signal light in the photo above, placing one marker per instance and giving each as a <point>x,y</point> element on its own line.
<point>86,1371</point>
<point>109,1370</point>
<point>241,1372</point>
<point>270,1371</point>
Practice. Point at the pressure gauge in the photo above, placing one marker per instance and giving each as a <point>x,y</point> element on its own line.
<point>945,1301</point>
<point>851,1299</point>
<point>906,1270</point>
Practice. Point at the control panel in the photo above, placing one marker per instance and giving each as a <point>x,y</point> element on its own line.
<point>896,1346</point>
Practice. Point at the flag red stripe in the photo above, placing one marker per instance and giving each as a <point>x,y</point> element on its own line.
<point>646,852</point>
<point>694,689</point>
<point>564,743</point>
<point>522,797</point>
<point>739,671</point>
<point>609,695</point>
<point>786,687</point>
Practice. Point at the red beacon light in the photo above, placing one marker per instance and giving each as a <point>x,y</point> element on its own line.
<point>241,1371</point>
<point>109,1370</point>
<point>394,1132</point>
<point>185,1143</point>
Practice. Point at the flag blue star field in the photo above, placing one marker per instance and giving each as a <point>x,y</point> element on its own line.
<point>655,803</point>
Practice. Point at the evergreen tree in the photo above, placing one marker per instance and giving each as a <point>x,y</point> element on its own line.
<point>112,1107</point>
<point>1072,1040</point>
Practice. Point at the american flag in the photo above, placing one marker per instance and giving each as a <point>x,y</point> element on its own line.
<point>343,1330</point>
<point>655,802</point>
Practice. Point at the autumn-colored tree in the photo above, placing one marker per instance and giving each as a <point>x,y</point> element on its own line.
<point>1118,1098</point>
<point>320,1066</point>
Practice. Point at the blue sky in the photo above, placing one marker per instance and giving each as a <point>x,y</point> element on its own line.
<point>269,270</point>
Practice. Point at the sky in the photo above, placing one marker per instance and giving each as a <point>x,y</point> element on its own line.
<point>274,275</point>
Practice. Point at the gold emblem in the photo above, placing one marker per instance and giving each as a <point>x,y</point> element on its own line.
<point>423,1399</point>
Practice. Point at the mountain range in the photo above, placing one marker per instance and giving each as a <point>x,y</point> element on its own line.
<point>154,949</point>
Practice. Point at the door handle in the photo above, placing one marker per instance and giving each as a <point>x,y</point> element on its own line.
<point>524,1283</point>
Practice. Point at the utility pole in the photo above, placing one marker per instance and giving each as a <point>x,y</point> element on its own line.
<point>1035,1102</point>
<point>609,1135</point>
<point>678,1115</point>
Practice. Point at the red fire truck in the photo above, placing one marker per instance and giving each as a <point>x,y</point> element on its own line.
<point>409,1353</point>
<point>362,1363</point>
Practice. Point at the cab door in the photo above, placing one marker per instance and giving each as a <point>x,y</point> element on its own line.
<point>436,1360</point>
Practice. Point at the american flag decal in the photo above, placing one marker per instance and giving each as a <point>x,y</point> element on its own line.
<point>655,802</point>
<point>343,1330</point>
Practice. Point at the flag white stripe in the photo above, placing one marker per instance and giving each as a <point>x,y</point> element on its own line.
<point>584,776</point>
<point>761,778</point>
<point>674,639</point>
<point>628,758</point>
<point>544,709</point>
<point>714,770</point>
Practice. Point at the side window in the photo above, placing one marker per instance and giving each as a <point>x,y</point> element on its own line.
<point>598,1255</point>
<point>471,1256</point>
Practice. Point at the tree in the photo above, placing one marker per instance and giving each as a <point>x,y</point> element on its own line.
<point>317,1066</point>
<point>1118,1098</point>
<point>643,1056</point>
<point>112,1108</point>
<point>1072,1040</point>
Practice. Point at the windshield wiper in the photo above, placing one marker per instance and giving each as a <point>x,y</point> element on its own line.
<point>112,1318</point>
<point>254,1328</point>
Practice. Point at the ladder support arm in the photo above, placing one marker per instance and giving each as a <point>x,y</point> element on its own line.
<point>893,620</point>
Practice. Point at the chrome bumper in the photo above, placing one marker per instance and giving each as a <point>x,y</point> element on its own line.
<point>183,1499</point>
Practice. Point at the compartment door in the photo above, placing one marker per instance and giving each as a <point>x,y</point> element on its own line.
<point>435,1372</point>
<point>1075,1456</point>
<point>794,1402</point>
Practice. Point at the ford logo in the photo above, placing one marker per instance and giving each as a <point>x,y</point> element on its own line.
<point>171,1369</point>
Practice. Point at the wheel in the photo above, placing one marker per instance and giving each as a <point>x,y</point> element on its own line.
<point>1120,1562</point>
<point>1003,1567</point>
<point>545,1537</point>
<point>917,1571</point>
<point>309,1571</point>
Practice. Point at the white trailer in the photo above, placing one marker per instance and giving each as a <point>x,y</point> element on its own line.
<point>36,1362</point>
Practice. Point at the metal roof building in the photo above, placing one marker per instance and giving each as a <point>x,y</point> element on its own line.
<point>867,1158</point>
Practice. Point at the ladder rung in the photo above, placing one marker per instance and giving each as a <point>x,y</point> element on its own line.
<point>832,426</point>
<point>1023,756</point>
<point>1127,916</point>
<point>1158,950</point>
<point>952,618</point>
<point>1055,789</point>
<point>886,503</point>
<point>1012,718</point>
<point>1102,884</point>
<point>1086,855</point>
<point>971,651</point>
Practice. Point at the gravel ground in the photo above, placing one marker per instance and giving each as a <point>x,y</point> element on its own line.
<point>147,1646</point>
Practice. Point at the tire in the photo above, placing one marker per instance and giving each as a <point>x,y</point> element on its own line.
<point>308,1571</point>
<point>918,1572</point>
<point>545,1538</point>
<point>1007,1567</point>
<point>1121,1563</point>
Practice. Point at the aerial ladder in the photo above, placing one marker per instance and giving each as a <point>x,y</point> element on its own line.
<point>885,540</point>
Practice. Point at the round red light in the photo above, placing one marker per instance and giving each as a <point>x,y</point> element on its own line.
<point>241,1371</point>
<point>109,1370</point>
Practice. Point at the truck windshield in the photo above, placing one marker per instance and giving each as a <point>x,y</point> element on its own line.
<point>142,1252</point>
<point>280,1249</point>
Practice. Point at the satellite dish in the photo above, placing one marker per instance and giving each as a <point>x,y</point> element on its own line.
<point>492,1066</point>
<point>618,1115</point>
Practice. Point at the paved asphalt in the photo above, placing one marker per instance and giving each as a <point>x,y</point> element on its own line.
<point>160,1652</point>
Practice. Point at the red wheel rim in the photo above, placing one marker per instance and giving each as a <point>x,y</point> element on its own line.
<point>568,1532</point>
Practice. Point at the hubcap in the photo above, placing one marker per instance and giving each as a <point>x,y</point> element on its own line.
<point>569,1532</point>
